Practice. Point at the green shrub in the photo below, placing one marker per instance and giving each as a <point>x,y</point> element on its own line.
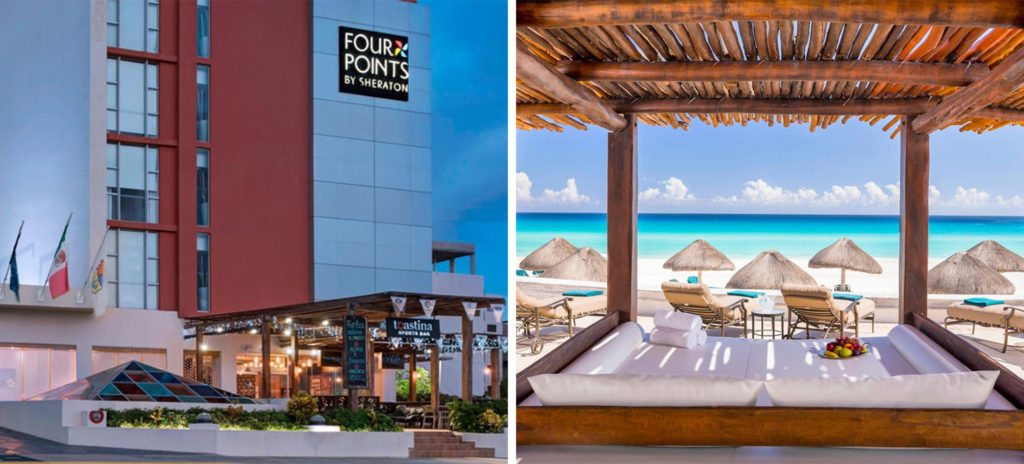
<point>362,420</point>
<point>237,418</point>
<point>422,384</point>
<point>480,416</point>
<point>302,407</point>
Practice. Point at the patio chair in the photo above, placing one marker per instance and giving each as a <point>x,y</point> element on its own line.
<point>561,311</point>
<point>715,311</point>
<point>1009,318</point>
<point>817,310</point>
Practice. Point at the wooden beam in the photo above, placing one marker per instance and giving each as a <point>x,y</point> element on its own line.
<point>731,71</point>
<point>495,374</point>
<point>435,377</point>
<point>293,379</point>
<point>564,354</point>
<point>1008,384</point>
<point>1003,79</point>
<point>622,220</point>
<point>734,426</point>
<point>542,76</point>
<point>747,105</point>
<point>467,358</point>
<point>197,363</point>
<point>412,376</point>
<point>265,350</point>
<point>913,278</point>
<point>577,13</point>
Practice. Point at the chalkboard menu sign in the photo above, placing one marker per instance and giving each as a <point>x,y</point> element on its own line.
<point>393,361</point>
<point>355,352</point>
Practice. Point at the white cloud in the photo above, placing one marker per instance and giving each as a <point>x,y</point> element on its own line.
<point>760,192</point>
<point>523,186</point>
<point>969,197</point>
<point>570,195</point>
<point>1015,201</point>
<point>964,197</point>
<point>675,192</point>
<point>933,193</point>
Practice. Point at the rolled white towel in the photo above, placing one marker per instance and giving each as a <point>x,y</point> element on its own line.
<point>678,338</point>
<point>677,320</point>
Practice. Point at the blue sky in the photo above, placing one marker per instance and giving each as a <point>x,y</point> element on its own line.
<point>470,131</point>
<point>845,169</point>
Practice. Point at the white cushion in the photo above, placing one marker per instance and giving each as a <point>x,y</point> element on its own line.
<point>608,354</point>
<point>921,352</point>
<point>960,390</point>
<point>643,390</point>
<point>677,320</point>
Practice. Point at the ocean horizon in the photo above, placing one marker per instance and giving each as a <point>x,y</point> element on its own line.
<point>744,236</point>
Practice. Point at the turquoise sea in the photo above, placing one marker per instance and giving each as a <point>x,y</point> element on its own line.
<point>743,236</point>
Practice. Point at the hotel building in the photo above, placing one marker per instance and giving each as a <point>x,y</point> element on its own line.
<point>218,156</point>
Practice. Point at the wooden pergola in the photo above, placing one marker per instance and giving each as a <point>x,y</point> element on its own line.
<point>919,66</point>
<point>270,322</point>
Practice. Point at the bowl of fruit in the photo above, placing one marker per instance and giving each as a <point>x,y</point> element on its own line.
<point>844,347</point>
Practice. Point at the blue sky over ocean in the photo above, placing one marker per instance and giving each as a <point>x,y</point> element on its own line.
<point>470,131</point>
<point>845,169</point>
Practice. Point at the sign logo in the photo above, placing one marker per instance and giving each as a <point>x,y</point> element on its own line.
<point>373,64</point>
<point>95,417</point>
<point>413,328</point>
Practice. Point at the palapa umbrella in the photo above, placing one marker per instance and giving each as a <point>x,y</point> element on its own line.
<point>548,255</point>
<point>699,256</point>
<point>997,257</point>
<point>962,274</point>
<point>844,254</point>
<point>585,264</point>
<point>769,271</point>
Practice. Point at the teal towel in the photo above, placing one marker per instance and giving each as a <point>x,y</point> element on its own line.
<point>521,273</point>
<point>846,296</point>
<point>673,280</point>
<point>982,302</point>
<point>746,293</point>
<point>692,280</point>
<point>538,272</point>
<point>582,293</point>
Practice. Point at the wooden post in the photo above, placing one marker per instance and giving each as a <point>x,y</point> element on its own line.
<point>412,376</point>
<point>265,346</point>
<point>467,358</point>
<point>293,362</point>
<point>495,374</point>
<point>622,220</point>
<point>435,376</point>
<point>198,362</point>
<point>914,161</point>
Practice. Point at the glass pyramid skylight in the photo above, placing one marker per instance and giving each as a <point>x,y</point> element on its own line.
<point>134,381</point>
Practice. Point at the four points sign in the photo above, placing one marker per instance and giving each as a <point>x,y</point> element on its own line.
<point>373,64</point>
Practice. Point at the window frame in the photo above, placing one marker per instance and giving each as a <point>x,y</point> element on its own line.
<point>200,107</point>
<point>199,273</point>
<point>200,151</point>
<point>150,112</point>
<point>150,26</point>
<point>112,273</point>
<point>151,194</point>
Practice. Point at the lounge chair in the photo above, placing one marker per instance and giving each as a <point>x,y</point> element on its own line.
<point>561,311</point>
<point>817,310</point>
<point>1009,318</point>
<point>715,311</point>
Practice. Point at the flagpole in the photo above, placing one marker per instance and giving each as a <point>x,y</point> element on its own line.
<point>88,276</point>
<point>46,284</point>
<point>3,285</point>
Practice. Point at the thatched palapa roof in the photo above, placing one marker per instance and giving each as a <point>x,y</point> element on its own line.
<point>997,257</point>
<point>585,264</point>
<point>769,271</point>
<point>548,255</point>
<point>844,254</point>
<point>699,256</point>
<point>962,274</point>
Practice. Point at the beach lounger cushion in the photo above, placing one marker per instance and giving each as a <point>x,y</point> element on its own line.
<point>582,293</point>
<point>958,390</point>
<point>639,390</point>
<point>983,302</point>
<point>992,314</point>
<point>698,295</point>
<point>546,309</point>
<point>818,297</point>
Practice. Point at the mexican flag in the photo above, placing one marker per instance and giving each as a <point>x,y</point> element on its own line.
<point>58,278</point>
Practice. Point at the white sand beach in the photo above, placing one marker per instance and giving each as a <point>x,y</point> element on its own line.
<point>650,275</point>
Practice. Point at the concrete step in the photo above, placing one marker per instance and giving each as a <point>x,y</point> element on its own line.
<point>418,441</point>
<point>444,446</point>
<point>475,453</point>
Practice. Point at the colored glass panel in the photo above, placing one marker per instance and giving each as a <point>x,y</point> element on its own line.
<point>155,389</point>
<point>129,388</point>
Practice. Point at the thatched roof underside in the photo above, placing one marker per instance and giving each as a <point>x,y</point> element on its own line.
<point>766,41</point>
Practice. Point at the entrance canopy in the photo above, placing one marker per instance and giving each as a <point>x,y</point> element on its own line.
<point>808,62</point>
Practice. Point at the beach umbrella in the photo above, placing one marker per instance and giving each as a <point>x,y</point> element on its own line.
<point>585,264</point>
<point>844,254</point>
<point>770,271</point>
<point>548,255</point>
<point>997,257</point>
<point>962,274</point>
<point>699,256</point>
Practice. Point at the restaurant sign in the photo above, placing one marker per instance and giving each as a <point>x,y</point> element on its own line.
<point>373,64</point>
<point>400,327</point>
<point>355,352</point>
<point>393,361</point>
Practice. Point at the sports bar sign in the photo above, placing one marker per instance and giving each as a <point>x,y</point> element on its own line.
<point>400,327</point>
<point>373,64</point>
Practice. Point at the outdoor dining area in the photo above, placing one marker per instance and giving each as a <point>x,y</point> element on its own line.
<point>617,382</point>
